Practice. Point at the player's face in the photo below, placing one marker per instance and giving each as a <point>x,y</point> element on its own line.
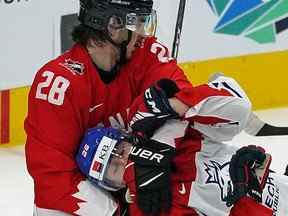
<point>136,41</point>
<point>140,27</point>
<point>118,161</point>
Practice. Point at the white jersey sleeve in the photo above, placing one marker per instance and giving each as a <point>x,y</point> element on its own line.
<point>254,125</point>
<point>220,109</point>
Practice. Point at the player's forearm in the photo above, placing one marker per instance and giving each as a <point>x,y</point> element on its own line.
<point>178,106</point>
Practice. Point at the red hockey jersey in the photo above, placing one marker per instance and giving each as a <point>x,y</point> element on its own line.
<point>248,207</point>
<point>66,98</point>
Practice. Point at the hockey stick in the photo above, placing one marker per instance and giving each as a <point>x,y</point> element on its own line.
<point>263,128</point>
<point>178,28</point>
<point>257,127</point>
<point>271,130</point>
<point>286,171</point>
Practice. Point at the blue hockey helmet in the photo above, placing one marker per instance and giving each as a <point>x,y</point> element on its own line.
<point>102,157</point>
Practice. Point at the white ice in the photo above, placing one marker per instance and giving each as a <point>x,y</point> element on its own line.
<point>16,186</point>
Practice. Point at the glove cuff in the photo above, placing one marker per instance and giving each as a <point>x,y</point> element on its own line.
<point>169,87</point>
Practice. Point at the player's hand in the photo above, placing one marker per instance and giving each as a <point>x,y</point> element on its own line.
<point>249,168</point>
<point>150,183</point>
<point>152,110</point>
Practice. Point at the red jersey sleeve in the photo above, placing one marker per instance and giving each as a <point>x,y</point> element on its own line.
<point>53,128</point>
<point>249,207</point>
<point>156,63</point>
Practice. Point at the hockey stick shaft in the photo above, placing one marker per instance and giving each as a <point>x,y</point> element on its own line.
<point>178,28</point>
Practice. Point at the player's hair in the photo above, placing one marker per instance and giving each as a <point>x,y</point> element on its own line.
<point>81,34</point>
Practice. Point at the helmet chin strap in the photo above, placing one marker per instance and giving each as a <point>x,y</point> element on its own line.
<point>109,76</point>
<point>122,47</point>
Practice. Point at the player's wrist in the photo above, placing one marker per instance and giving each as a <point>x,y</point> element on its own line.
<point>178,106</point>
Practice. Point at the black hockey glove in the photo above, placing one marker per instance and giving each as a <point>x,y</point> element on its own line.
<point>156,97</point>
<point>249,168</point>
<point>152,167</point>
<point>123,205</point>
<point>154,108</point>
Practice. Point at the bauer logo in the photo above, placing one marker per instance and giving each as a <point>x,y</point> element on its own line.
<point>218,174</point>
<point>146,154</point>
<point>259,20</point>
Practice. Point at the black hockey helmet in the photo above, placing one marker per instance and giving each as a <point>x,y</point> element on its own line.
<point>135,15</point>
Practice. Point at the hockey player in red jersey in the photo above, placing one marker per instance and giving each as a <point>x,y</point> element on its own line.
<point>114,60</point>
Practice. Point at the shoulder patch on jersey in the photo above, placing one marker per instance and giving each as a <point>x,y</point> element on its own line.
<point>77,68</point>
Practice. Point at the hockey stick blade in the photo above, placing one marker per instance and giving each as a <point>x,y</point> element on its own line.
<point>257,127</point>
<point>286,171</point>
<point>271,130</point>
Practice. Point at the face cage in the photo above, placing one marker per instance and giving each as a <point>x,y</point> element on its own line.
<point>143,24</point>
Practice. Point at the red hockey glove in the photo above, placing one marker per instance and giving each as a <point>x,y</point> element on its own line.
<point>249,169</point>
<point>152,110</point>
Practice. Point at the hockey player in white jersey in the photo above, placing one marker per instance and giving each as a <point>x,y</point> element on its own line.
<point>200,168</point>
<point>228,116</point>
<point>103,157</point>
